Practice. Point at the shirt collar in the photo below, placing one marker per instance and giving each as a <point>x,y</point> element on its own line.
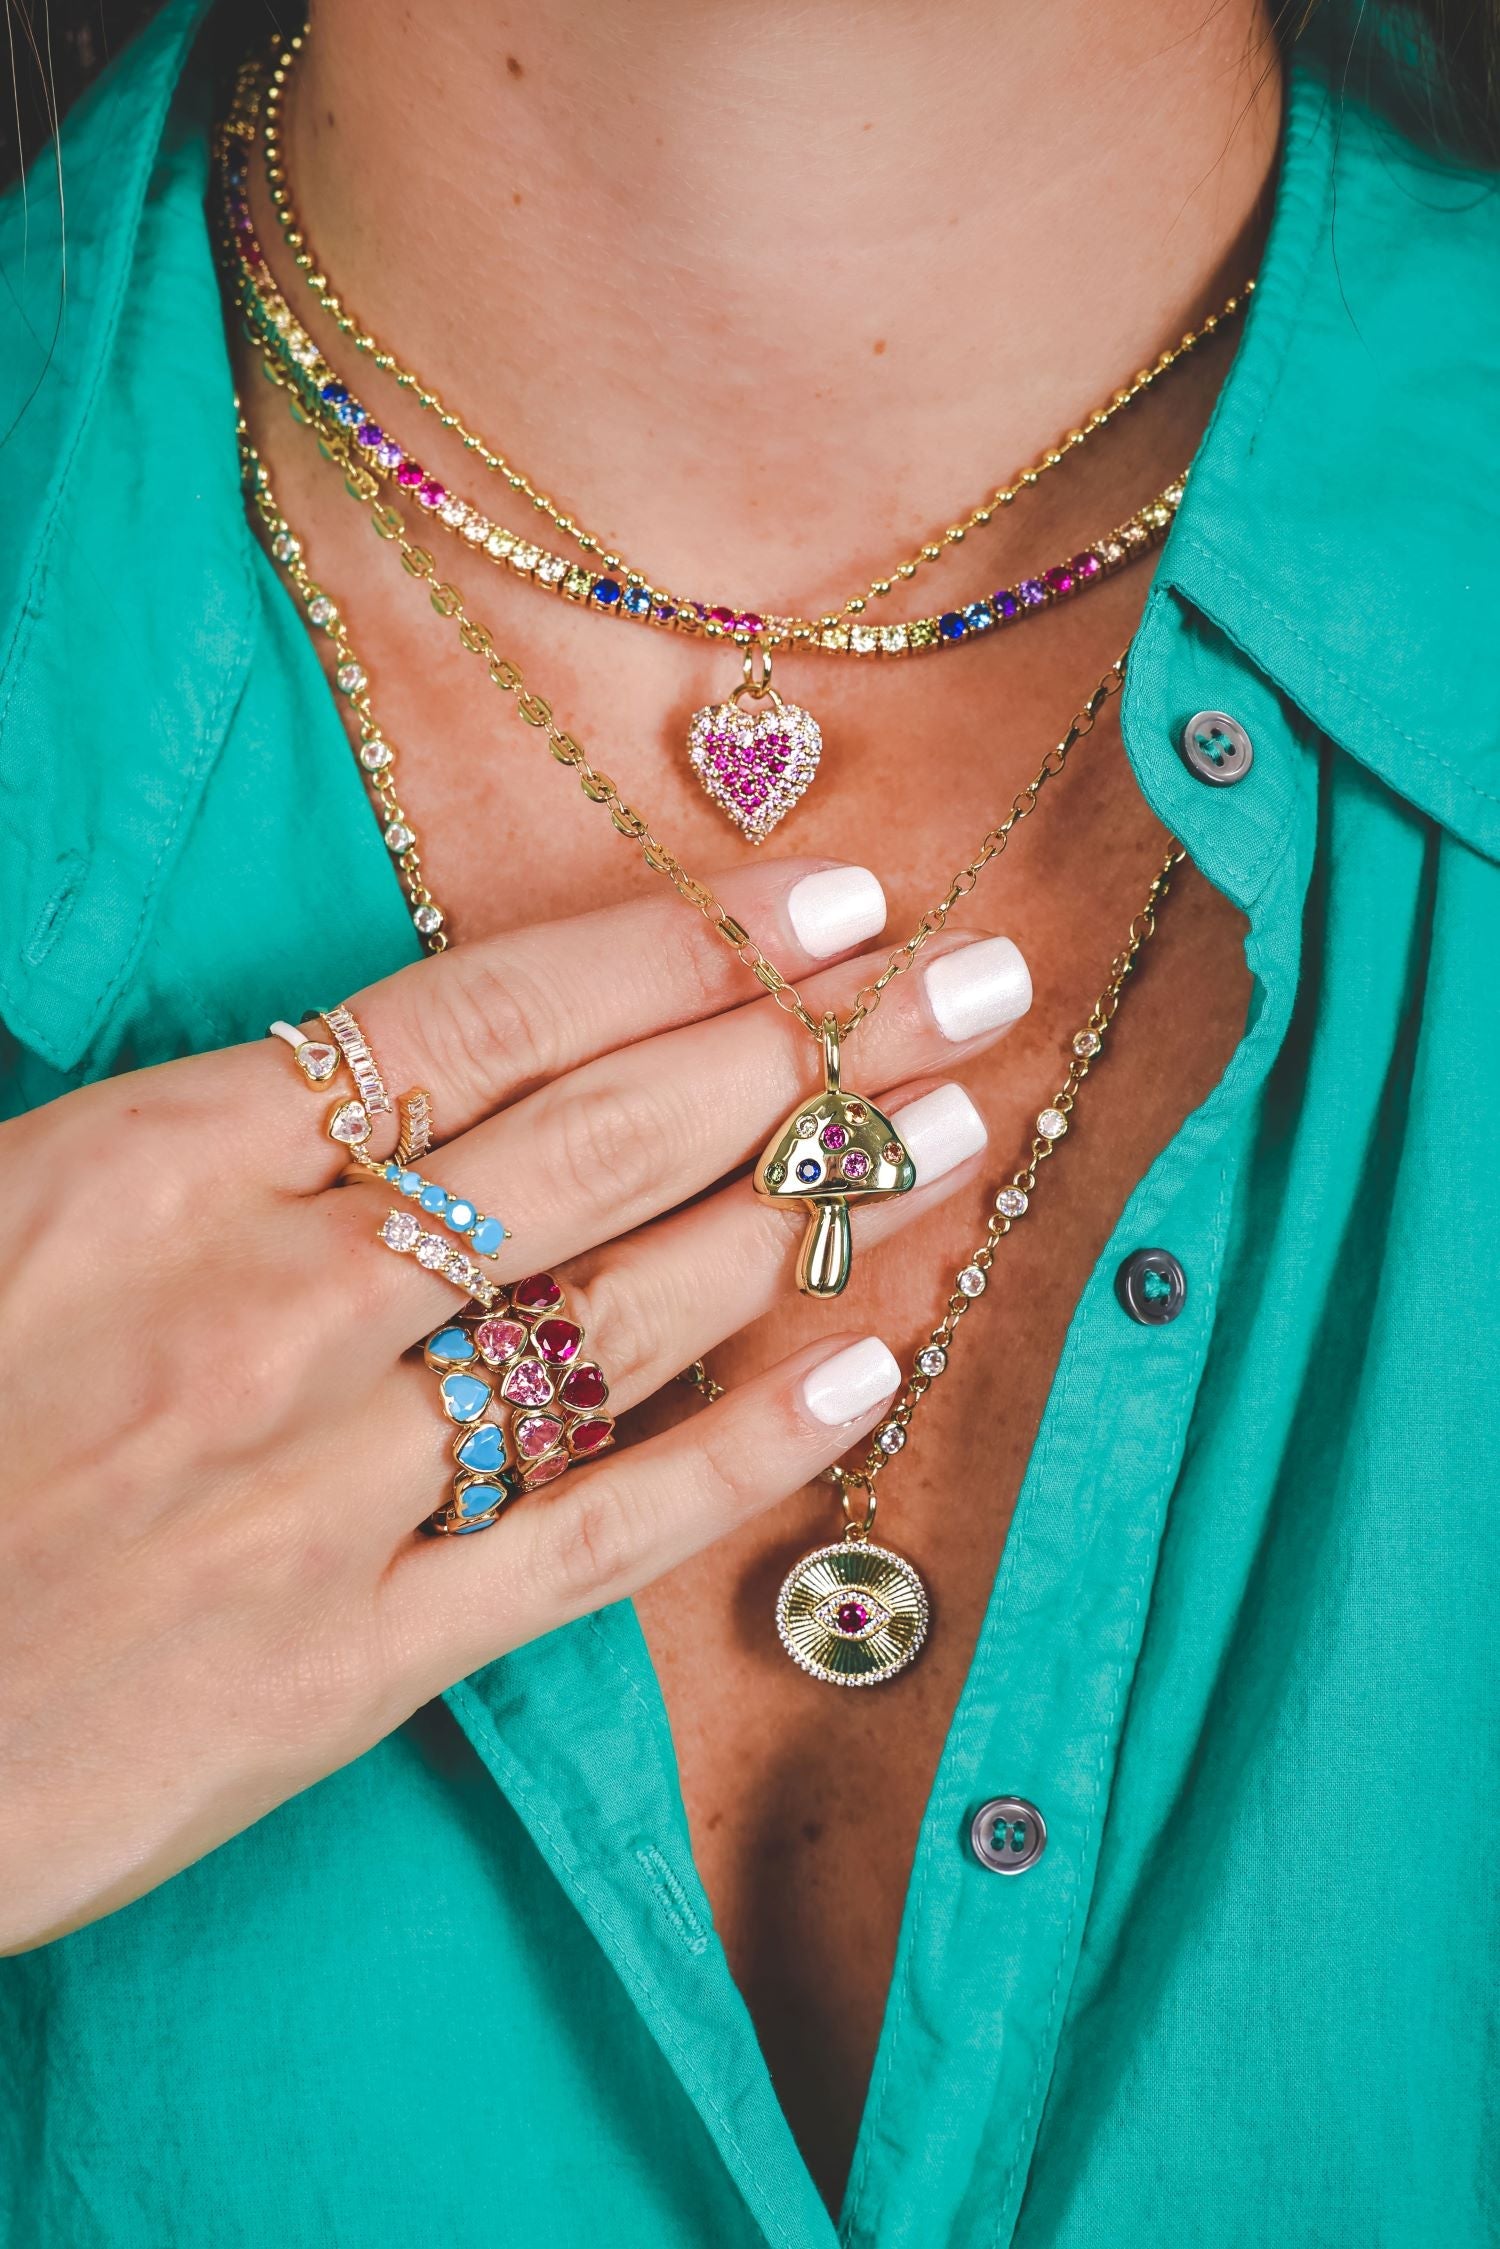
<point>1342,522</point>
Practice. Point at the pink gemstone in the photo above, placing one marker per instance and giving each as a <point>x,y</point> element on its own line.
<point>430,493</point>
<point>527,1384</point>
<point>537,1433</point>
<point>834,1136</point>
<point>499,1340</point>
<point>851,1616</point>
<point>855,1165</point>
<point>409,474</point>
<point>583,1387</point>
<point>558,1340</point>
<point>537,1293</point>
<point>749,624</point>
<point>591,1436</point>
<point>1086,565</point>
<point>722,617</point>
<point>545,1471</point>
<point>1058,580</point>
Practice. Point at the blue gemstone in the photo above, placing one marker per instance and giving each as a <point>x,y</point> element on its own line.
<point>952,626</point>
<point>483,1449</point>
<point>637,600</point>
<point>393,1173</point>
<point>809,1169</point>
<point>606,593</point>
<point>410,1182</point>
<point>464,1396</point>
<point>979,617</point>
<point>434,1199</point>
<point>333,394</point>
<point>451,1347</point>
<point>479,1499</point>
<point>487,1236</point>
<point>461,1215</point>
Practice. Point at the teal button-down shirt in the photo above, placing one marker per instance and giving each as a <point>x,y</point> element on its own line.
<point>1241,1648</point>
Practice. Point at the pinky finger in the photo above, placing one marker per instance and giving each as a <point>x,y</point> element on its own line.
<point>614,1526</point>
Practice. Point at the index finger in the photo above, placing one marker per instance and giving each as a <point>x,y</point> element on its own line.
<point>484,1023</point>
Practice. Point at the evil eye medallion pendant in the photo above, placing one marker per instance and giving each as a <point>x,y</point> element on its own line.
<point>755,765</point>
<point>852,1614</point>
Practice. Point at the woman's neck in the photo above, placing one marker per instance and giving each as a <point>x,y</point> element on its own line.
<point>764,290</point>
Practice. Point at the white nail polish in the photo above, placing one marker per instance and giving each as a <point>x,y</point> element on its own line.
<point>979,988</point>
<point>834,909</point>
<point>941,1129</point>
<point>853,1382</point>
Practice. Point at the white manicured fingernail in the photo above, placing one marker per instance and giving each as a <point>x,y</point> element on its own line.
<point>853,1382</point>
<point>979,988</point>
<point>834,909</point>
<point>941,1129</point>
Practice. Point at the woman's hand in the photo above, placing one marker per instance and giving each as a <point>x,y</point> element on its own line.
<point>215,1454</point>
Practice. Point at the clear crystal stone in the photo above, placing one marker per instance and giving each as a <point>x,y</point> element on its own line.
<point>432,1253</point>
<point>283,546</point>
<point>350,678</point>
<point>932,1360</point>
<point>891,1438</point>
<point>499,544</point>
<point>864,639</point>
<point>552,570</point>
<point>1052,1124</point>
<point>1086,1043</point>
<point>1012,1202</point>
<point>427,919</point>
<point>320,609</point>
<point>398,838</point>
<point>971,1281</point>
<point>893,639</point>
<point>458,1268</point>
<point>454,513</point>
<point>401,1230</point>
<point>374,754</point>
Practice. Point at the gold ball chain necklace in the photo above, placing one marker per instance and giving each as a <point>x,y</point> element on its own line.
<point>754,764</point>
<point>851,1613</point>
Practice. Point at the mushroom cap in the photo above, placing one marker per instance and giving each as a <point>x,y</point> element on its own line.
<point>835,1144</point>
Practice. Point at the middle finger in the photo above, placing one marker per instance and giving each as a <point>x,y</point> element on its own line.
<point>637,1133</point>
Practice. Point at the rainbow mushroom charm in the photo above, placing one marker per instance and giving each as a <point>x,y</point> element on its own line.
<point>835,1149</point>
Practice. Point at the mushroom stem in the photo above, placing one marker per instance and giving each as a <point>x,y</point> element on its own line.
<point>827,1250</point>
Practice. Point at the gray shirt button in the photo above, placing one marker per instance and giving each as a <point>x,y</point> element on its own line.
<point>1152,1286</point>
<point>1216,748</point>
<point>1007,1835</point>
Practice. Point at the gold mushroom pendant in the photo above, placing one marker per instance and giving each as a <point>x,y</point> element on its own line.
<point>835,1149</point>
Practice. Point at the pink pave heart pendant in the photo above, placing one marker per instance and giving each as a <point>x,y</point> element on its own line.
<point>755,765</point>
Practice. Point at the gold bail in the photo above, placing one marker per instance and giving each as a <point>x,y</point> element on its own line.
<point>829,1034</point>
<point>758,682</point>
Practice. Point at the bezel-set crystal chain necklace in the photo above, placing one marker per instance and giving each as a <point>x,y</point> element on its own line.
<point>852,1613</point>
<point>754,764</point>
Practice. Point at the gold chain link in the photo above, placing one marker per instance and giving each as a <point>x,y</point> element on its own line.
<point>277,80</point>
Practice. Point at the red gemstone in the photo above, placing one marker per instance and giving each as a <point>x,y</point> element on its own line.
<point>1086,565</point>
<point>722,617</point>
<point>499,1340</point>
<point>749,623</point>
<point>584,1387</point>
<point>1059,579</point>
<point>851,1616</point>
<point>537,1433</point>
<point>591,1436</point>
<point>558,1340</point>
<point>409,474</point>
<point>545,1470</point>
<point>537,1293</point>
